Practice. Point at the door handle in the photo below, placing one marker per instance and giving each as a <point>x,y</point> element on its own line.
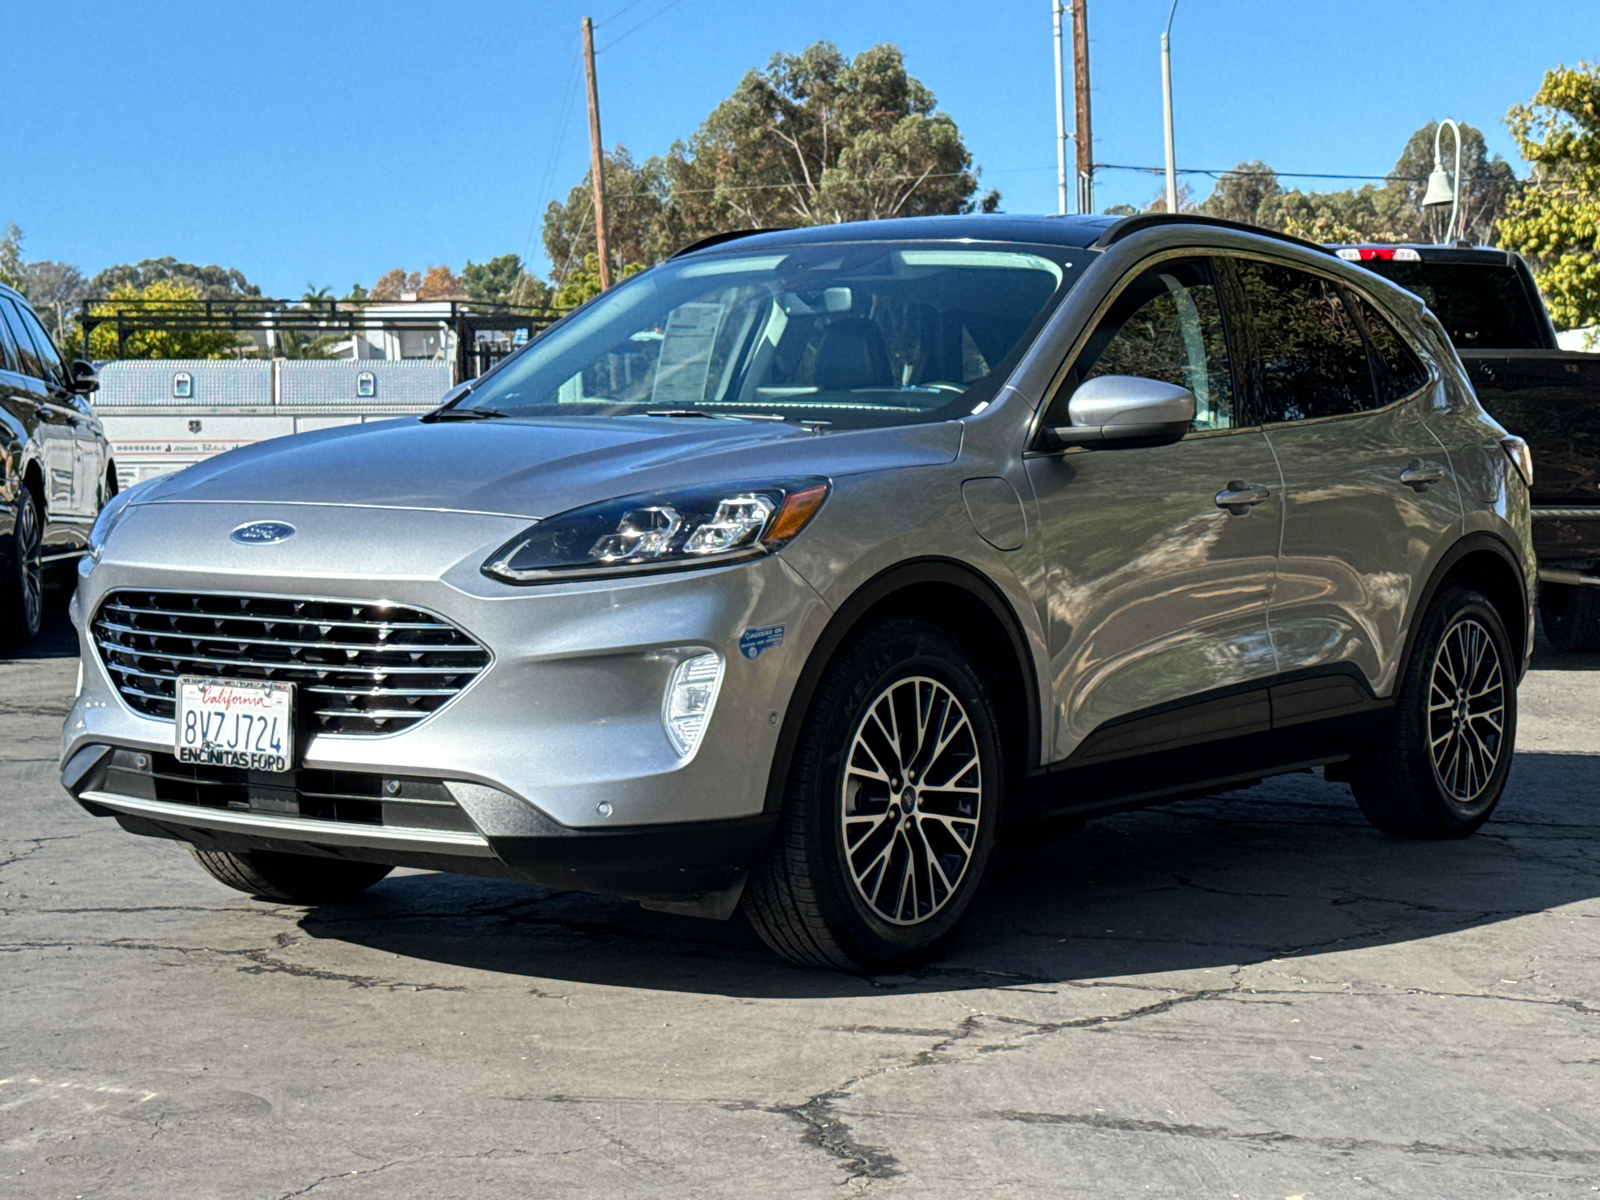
<point>1418,474</point>
<point>1238,497</point>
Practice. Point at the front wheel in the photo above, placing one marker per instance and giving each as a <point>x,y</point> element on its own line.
<point>1444,761</point>
<point>293,878</point>
<point>22,574</point>
<point>891,809</point>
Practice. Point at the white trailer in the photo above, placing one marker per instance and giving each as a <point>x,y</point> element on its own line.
<point>162,415</point>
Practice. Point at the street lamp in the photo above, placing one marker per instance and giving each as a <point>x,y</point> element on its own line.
<point>1166,100</point>
<point>1440,190</point>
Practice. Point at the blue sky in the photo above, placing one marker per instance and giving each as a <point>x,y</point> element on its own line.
<point>328,142</point>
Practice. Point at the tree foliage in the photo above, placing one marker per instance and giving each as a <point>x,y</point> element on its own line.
<point>169,295</point>
<point>207,283</point>
<point>819,138</point>
<point>815,138</point>
<point>1556,220</point>
<point>11,268</point>
<point>502,280</point>
<point>1251,192</point>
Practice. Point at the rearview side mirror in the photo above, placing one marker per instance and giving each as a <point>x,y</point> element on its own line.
<point>1123,411</point>
<point>84,377</point>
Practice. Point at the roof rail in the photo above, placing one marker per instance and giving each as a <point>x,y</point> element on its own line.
<point>716,239</point>
<point>1141,221</point>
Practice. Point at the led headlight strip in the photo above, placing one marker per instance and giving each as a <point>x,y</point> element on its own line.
<point>667,531</point>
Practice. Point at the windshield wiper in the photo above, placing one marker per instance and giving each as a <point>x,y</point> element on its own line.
<point>712,416</point>
<point>464,414</point>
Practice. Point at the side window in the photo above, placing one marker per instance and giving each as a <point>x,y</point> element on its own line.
<point>27,361</point>
<point>8,353</point>
<point>1312,357</point>
<point>1167,324</point>
<point>1395,366</point>
<point>44,347</point>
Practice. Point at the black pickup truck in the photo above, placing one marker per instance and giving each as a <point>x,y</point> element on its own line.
<point>1488,304</point>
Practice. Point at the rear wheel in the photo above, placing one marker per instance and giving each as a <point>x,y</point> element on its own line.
<point>1571,615</point>
<point>1445,759</point>
<point>295,878</point>
<point>891,810</point>
<point>22,574</point>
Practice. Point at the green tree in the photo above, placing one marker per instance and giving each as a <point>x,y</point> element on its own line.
<point>819,138</point>
<point>164,295</point>
<point>640,224</point>
<point>358,294</point>
<point>502,280</point>
<point>1555,220</point>
<point>12,271</point>
<point>583,283</point>
<point>207,283</point>
<point>1486,184</point>
<point>1241,192</point>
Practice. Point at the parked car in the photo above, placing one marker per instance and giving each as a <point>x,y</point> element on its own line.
<point>787,573</point>
<point>55,466</point>
<point>1494,316</point>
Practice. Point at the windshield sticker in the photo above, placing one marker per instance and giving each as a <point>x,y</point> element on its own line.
<point>753,641</point>
<point>685,358</point>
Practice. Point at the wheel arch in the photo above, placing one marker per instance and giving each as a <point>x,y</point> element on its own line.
<point>968,607</point>
<point>1486,563</point>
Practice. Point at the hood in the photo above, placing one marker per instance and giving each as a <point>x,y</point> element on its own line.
<point>536,468</point>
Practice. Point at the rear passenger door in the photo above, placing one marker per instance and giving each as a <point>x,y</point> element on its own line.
<point>1369,497</point>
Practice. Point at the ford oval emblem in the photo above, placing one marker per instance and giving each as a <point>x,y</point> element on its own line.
<point>262,533</point>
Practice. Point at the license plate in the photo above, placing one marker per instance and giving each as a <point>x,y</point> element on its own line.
<point>243,723</point>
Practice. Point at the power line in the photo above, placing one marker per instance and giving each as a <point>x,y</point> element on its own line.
<point>1232,172</point>
<point>640,25</point>
<point>618,13</point>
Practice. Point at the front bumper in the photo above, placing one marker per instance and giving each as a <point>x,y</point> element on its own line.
<point>555,757</point>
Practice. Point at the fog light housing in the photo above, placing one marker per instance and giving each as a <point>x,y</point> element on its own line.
<point>691,694</point>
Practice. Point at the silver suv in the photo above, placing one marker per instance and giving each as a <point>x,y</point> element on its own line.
<point>791,572</point>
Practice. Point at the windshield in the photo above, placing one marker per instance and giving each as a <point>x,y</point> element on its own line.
<point>852,334</point>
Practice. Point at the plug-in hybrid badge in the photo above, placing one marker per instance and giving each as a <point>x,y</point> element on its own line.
<point>261,533</point>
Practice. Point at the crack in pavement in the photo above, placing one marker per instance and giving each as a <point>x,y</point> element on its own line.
<point>1268,1138</point>
<point>260,963</point>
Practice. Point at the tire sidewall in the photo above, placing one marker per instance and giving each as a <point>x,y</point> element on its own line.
<point>1438,805</point>
<point>883,656</point>
<point>13,605</point>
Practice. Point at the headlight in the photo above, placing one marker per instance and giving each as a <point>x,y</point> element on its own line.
<point>670,531</point>
<point>111,514</point>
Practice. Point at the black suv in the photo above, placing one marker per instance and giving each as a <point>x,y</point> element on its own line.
<point>55,464</point>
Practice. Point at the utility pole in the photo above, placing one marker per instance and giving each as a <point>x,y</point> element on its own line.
<point>1061,120</point>
<point>1166,108</point>
<point>596,158</point>
<point>1080,87</point>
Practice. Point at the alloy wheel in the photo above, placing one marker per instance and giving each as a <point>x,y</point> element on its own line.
<point>1466,711</point>
<point>28,544</point>
<point>912,800</point>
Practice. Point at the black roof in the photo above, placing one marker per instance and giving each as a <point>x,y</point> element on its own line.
<point>1077,232</point>
<point>1086,232</point>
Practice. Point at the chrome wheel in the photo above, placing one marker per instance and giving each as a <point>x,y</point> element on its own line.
<point>27,544</point>
<point>1466,711</point>
<point>913,797</point>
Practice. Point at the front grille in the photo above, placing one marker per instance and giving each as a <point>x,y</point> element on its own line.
<point>358,668</point>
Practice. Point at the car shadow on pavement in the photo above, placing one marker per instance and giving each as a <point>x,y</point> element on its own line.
<point>1286,869</point>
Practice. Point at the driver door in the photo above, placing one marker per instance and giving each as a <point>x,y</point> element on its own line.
<point>1158,593</point>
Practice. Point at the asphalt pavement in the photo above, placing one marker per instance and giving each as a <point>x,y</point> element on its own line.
<point>1249,995</point>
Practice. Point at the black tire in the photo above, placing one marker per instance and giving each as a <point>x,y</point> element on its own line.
<point>819,904</point>
<point>22,574</point>
<point>293,878</point>
<point>1571,615</point>
<point>1443,763</point>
